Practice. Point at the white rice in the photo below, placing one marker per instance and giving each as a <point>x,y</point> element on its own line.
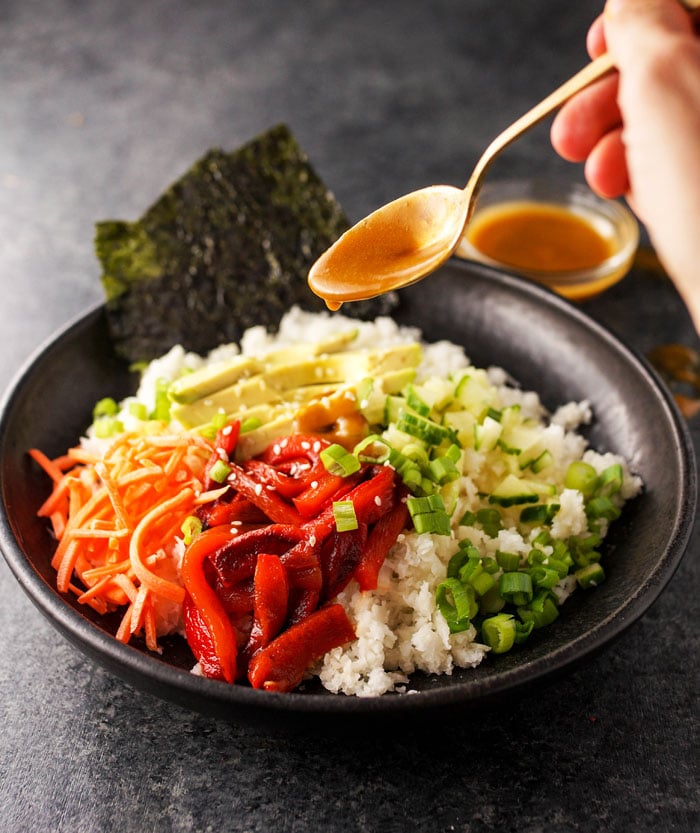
<point>399,627</point>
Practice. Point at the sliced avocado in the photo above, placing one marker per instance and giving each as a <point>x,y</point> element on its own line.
<point>256,441</point>
<point>238,397</point>
<point>277,381</point>
<point>210,379</point>
<point>299,352</point>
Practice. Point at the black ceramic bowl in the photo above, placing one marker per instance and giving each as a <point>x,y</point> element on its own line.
<point>544,342</point>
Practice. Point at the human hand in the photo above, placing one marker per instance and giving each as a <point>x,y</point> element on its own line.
<point>639,130</point>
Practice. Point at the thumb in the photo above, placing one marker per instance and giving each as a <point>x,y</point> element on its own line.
<point>646,25</point>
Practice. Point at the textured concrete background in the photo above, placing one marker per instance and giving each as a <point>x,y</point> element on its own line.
<point>102,105</point>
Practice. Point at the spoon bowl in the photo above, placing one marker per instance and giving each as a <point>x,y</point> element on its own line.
<point>421,229</point>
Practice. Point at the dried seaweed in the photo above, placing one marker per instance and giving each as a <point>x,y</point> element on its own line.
<point>227,246</point>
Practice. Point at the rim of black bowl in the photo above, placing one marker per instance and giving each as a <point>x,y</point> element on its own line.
<point>152,674</point>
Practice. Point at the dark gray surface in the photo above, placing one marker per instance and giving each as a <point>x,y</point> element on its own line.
<point>102,104</point>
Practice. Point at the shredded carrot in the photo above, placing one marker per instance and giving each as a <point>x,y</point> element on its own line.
<point>161,586</point>
<point>53,471</point>
<point>116,518</point>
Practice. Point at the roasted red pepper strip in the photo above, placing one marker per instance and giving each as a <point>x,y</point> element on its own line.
<point>200,641</point>
<point>274,506</point>
<point>322,491</point>
<point>237,599</point>
<point>271,596</point>
<point>294,448</point>
<point>206,601</point>
<point>235,560</point>
<point>282,664</point>
<point>230,509</point>
<point>285,485</point>
<point>302,603</point>
<point>300,455</point>
<point>302,564</point>
<point>340,557</point>
<point>380,540</point>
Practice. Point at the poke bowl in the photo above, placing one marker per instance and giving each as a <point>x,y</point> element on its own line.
<point>539,339</point>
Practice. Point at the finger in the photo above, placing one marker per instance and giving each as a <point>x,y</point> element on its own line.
<point>606,166</point>
<point>595,40</point>
<point>631,24</point>
<point>580,124</point>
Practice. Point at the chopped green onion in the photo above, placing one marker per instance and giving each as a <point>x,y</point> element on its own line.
<point>543,513</point>
<point>582,477</point>
<point>610,480</point>
<point>498,632</point>
<point>250,424</point>
<point>490,520</point>
<point>516,587</point>
<point>544,577</point>
<point>602,506</point>
<point>522,631</point>
<point>590,576</point>
<point>442,470</point>
<point>338,461</point>
<point>138,410</point>
<point>541,611</point>
<point>466,551</point>
<point>344,514</point>
<point>490,564</point>
<point>373,449</point>
<point>482,581</point>
<point>428,514</point>
<point>105,407</point>
<point>161,410</point>
<point>468,519</point>
<point>220,471</point>
<point>471,567</point>
<point>456,603</point>
<point>107,426</point>
<point>190,528</point>
<point>491,601</point>
<point>543,538</point>
<point>417,452</point>
<point>508,561</point>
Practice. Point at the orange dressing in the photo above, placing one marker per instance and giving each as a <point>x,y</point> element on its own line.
<point>539,238</point>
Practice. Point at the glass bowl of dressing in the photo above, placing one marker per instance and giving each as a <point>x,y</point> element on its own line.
<point>558,234</point>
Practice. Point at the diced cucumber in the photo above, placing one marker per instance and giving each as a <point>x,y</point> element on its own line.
<point>512,491</point>
<point>475,392</point>
<point>487,434</point>
<point>462,423</point>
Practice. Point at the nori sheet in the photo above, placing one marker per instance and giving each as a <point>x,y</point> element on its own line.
<point>227,246</point>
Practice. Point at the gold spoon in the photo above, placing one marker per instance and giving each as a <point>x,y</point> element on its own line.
<point>409,238</point>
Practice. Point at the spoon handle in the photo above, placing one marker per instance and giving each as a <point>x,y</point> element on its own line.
<point>592,72</point>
